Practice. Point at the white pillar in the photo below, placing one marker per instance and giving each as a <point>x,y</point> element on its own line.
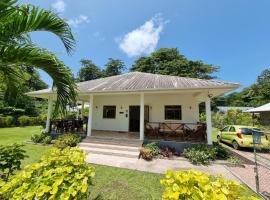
<point>208,121</point>
<point>142,116</point>
<point>49,114</point>
<point>90,116</point>
<point>82,111</point>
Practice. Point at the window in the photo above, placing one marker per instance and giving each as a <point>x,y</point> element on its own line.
<point>225,129</point>
<point>173,113</point>
<point>232,129</point>
<point>109,112</point>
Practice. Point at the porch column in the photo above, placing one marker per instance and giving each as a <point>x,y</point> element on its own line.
<point>82,111</point>
<point>142,116</point>
<point>49,114</point>
<point>90,116</point>
<point>208,120</point>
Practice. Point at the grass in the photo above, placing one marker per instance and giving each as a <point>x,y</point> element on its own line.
<point>122,184</point>
<point>21,134</point>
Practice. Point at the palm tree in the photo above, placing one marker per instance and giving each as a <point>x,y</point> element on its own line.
<point>17,49</point>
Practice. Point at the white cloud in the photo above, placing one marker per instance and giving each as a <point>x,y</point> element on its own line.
<point>59,6</point>
<point>144,39</point>
<point>79,20</point>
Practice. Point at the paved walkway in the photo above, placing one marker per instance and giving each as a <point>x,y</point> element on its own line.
<point>156,165</point>
<point>126,156</point>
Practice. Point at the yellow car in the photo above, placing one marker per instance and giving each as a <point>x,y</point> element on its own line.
<point>241,136</point>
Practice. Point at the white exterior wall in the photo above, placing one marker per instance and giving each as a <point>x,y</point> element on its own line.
<point>156,103</point>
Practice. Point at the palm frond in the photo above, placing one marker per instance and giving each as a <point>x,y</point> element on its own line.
<point>7,7</point>
<point>33,56</point>
<point>28,18</point>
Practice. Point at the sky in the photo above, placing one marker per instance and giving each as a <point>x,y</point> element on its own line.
<point>231,34</point>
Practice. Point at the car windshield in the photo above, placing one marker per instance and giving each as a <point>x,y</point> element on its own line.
<point>248,131</point>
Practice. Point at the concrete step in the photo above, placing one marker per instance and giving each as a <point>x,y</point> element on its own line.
<point>110,151</point>
<point>113,141</point>
<point>109,146</point>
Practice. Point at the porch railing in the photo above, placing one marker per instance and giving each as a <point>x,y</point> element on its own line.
<point>176,131</point>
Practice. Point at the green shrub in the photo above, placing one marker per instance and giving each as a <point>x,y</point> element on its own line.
<point>6,121</point>
<point>198,185</point>
<point>203,154</point>
<point>67,140</point>
<point>24,120</point>
<point>221,152</point>
<point>10,159</point>
<point>38,138</point>
<point>63,174</point>
<point>200,154</point>
<point>153,147</point>
<point>47,140</point>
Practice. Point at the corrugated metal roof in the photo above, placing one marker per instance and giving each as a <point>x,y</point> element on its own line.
<point>263,108</point>
<point>138,81</point>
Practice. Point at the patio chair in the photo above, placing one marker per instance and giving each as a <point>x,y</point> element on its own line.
<point>174,130</point>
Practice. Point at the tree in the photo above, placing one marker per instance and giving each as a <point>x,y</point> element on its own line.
<point>114,67</point>
<point>89,71</point>
<point>169,61</point>
<point>255,95</point>
<point>17,49</point>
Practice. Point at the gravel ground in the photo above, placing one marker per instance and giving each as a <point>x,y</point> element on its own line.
<point>247,174</point>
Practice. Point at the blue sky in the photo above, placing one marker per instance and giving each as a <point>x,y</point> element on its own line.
<point>234,35</point>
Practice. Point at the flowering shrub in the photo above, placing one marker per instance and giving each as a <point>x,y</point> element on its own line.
<point>67,140</point>
<point>198,185</point>
<point>63,174</point>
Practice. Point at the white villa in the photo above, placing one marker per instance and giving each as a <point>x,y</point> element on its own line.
<point>125,103</point>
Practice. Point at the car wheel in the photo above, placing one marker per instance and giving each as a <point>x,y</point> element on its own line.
<point>235,145</point>
<point>218,139</point>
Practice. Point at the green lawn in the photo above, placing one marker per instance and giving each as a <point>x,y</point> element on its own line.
<point>21,134</point>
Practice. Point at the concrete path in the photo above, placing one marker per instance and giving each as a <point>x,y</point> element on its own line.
<point>127,157</point>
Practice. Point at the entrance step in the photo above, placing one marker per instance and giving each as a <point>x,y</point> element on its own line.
<point>115,147</point>
<point>113,141</point>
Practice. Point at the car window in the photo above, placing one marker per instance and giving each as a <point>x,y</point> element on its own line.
<point>232,129</point>
<point>248,131</point>
<point>225,129</point>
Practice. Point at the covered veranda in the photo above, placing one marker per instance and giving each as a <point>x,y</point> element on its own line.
<point>150,93</point>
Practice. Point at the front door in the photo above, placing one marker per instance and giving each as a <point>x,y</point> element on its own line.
<point>134,117</point>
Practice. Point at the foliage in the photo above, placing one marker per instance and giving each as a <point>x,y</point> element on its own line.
<point>114,67</point>
<point>168,152</point>
<point>38,138</point>
<point>255,95</point>
<point>198,185</point>
<point>47,140</point>
<point>10,159</point>
<point>89,71</point>
<point>231,117</point>
<point>153,147</point>
<point>11,111</point>
<point>235,161</point>
<point>67,140</point>
<point>23,120</point>
<point>221,152</point>
<point>169,61</point>
<point>203,154</point>
<point>30,121</point>
<point>6,121</point>
<point>18,50</point>
<point>63,174</point>
<point>146,154</point>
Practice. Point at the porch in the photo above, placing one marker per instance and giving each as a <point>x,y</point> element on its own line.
<point>159,131</point>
